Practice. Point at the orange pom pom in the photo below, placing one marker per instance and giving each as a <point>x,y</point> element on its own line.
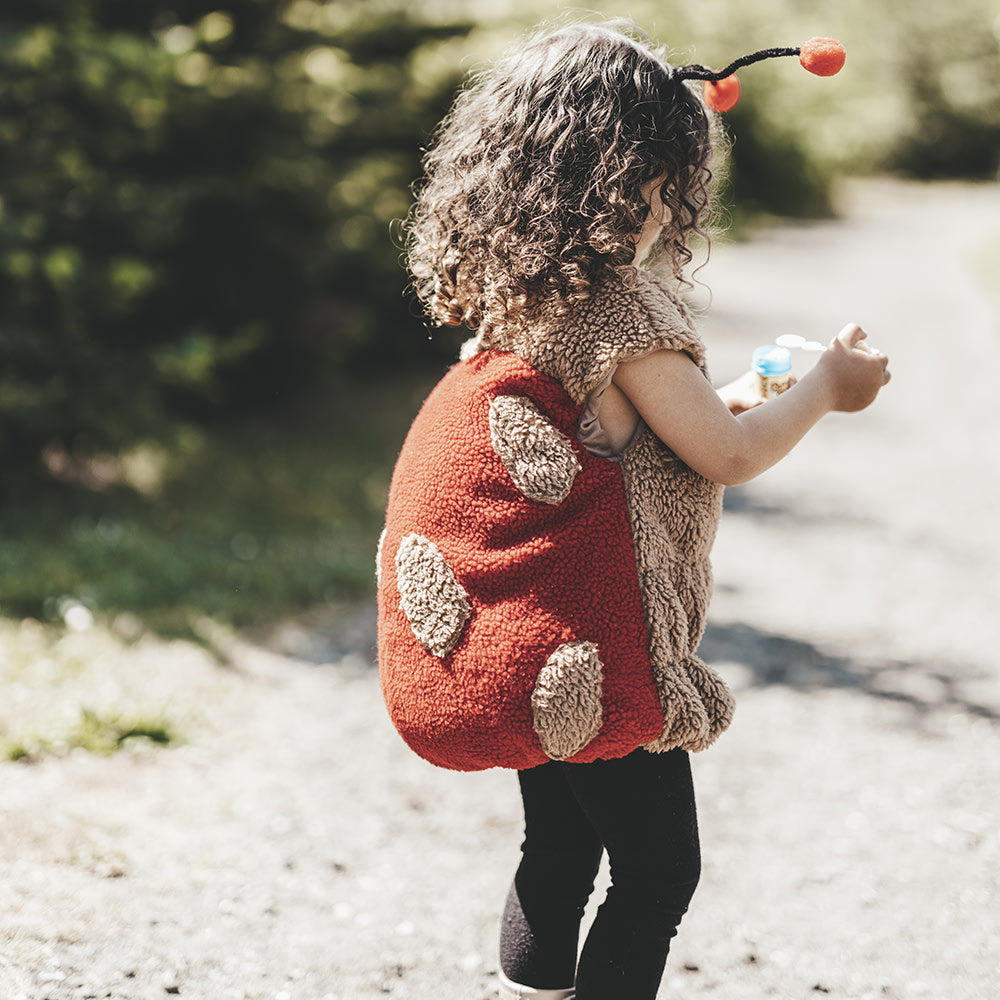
<point>723,95</point>
<point>822,56</point>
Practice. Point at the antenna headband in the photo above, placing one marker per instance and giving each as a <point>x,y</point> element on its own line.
<point>820,56</point>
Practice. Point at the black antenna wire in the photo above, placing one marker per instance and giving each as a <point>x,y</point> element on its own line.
<point>696,72</point>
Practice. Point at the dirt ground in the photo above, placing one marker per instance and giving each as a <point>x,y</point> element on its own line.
<point>294,849</point>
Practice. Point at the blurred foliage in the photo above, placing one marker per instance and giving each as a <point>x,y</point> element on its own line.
<point>196,205</point>
<point>950,68</point>
<point>769,172</point>
<point>197,262</point>
<point>196,202</point>
<point>246,524</point>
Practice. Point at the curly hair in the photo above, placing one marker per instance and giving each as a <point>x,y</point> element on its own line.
<point>533,190</point>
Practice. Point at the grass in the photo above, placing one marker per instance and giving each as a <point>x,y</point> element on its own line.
<point>243,524</point>
<point>121,582</point>
<point>97,733</point>
<point>67,689</point>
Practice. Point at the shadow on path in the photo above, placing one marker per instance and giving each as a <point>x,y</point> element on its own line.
<point>924,686</point>
<point>740,502</point>
<point>772,659</point>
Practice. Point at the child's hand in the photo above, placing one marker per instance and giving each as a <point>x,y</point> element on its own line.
<point>744,393</point>
<point>853,372</point>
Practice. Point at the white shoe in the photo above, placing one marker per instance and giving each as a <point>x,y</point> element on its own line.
<point>514,991</point>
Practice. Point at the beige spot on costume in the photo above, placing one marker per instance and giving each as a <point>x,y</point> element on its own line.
<point>432,598</point>
<point>538,456</point>
<point>566,701</point>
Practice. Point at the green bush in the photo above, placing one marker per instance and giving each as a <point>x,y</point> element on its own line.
<point>247,524</point>
<point>195,214</point>
<point>196,203</point>
<point>196,206</point>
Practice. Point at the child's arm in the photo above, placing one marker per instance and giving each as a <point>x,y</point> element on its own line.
<point>684,411</point>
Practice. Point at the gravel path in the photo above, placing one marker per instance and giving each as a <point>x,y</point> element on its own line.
<point>295,850</point>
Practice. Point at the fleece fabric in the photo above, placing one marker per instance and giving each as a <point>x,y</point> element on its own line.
<point>537,601</point>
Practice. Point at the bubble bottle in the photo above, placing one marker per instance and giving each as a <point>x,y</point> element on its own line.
<point>773,366</point>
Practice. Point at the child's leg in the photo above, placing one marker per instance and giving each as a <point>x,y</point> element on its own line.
<point>643,808</point>
<point>560,856</point>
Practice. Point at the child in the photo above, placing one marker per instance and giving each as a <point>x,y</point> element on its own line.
<point>544,573</point>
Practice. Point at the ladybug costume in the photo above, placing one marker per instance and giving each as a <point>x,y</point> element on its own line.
<point>537,601</point>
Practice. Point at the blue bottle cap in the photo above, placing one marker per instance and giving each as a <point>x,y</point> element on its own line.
<point>771,360</point>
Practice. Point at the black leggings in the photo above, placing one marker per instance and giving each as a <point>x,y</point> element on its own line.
<point>641,809</point>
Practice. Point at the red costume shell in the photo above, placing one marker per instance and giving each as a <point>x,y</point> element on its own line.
<point>511,626</point>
